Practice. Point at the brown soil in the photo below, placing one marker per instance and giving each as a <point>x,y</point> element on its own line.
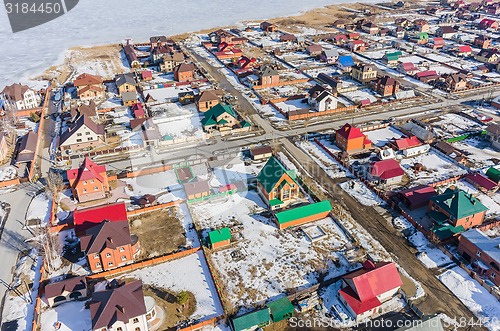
<point>159,234</point>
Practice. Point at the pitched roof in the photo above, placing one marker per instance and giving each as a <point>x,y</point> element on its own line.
<point>105,235</point>
<point>216,111</point>
<point>293,214</point>
<point>488,245</point>
<point>27,147</point>
<point>280,308</point>
<point>119,304</point>
<point>458,203</point>
<point>493,174</point>
<point>87,170</point>
<point>493,129</point>
<point>426,73</point>
<point>386,169</point>
<point>15,91</point>
<point>465,49</point>
<point>185,67</point>
<point>419,194</point>
<point>329,53</point>
<point>129,96</point>
<point>261,150</point>
<point>346,61</point>
<point>271,173</point>
<point>87,79</point>
<point>250,320</point>
<point>481,180</point>
<point>370,282</point>
<point>219,235</point>
<point>408,66</point>
<point>208,95</point>
<point>447,29</point>
<point>73,284</point>
<point>350,132</point>
<point>82,120</point>
<point>84,109</point>
<point>408,142</point>
<point>124,79</point>
<point>83,218</point>
<point>200,186</point>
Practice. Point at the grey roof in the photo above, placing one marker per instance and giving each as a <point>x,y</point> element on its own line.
<point>129,96</point>
<point>418,131</point>
<point>489,246</point>
<point>331,53</point>
<point>27,147</point>
<point>268,70</point>
<point>494,129</point>
<point>124,78</point>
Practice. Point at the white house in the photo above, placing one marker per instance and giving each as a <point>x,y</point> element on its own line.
<point>18,97</point>
<point>83,134</point>
<point>493,135</point>
<point>321,98</point>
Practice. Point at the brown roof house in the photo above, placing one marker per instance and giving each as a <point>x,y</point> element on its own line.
<point>261,153</point>
<point>66,290</point>
<point>364,72</point>
<point>4,147</point>
<point>27,146</point>
<point>184,72</point>
<point>268,27</point>
<point>89,110</point>
<point>83,134</point>
<point>386,86</point>
<point>18,97</point>
<point>268,75</point>
<point>170,61</point>
<point>89,87</point>
<point>208,99</point>
<point>109,245</point>
<point>121,308</point>
<point>197,190</point>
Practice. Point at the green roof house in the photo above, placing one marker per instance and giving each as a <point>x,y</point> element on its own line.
<point>219,116</point>
<point>493,174</point>
<point>456,208</point>
<point>392,57</point>
<point>219,238</point>
<point>277,185</point>
<point>253,320</point>
<point>304,214</point>
<point>281,309</point>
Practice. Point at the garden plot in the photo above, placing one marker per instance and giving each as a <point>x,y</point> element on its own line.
<point>179,122</point>
<point>191,274</point>
<point>130,138</point>
<point>361,192</point>
<point>478,152</point>
<point>456,125</point>
<point>381,137</point>
<point>233,173</point>
<point>265,262</point>
<point>290,105</point>
<point>166,94</point>
<point>39,209</point>
<point>441,69</point>
<point>163,185</point>
<point>430,256</point>
<point>436,168</point>
<point>325,161</point>
<point>479,301</point>
<point>360,95</point>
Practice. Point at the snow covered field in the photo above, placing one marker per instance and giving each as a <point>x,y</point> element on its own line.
<point>39,208</point>
<point>156,184</point>
<point>479,152</point>
<point>156,18</point>
<point>72,316</point>
<point>325,161</point>
<point>381,137</point>
<point>7,173</point>
<point>361,192</point>
<point>187,274</point>
<point>264,262</point>
<point>484,305</point>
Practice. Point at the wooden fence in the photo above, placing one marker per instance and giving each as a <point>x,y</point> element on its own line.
<point>155,207</point>
<point>10,182</point>
<point>149,171</point>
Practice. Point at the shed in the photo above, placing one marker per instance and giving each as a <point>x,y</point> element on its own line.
<point>219,238</point>
<point>281,309</point>
<point>493,174</point>
<point>304,214</point>
<point>252,320</point>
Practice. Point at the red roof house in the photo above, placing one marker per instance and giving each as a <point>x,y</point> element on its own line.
<point>365,290</point>
<point>386,171</point>
<point>487,23</point>
<point>405,143</point>
<point>138,110</point>
<point>350,138</point>
<point>482,182</point>
<point>465,50</point>
<point>147,75</point>
<point>417,197</point>
<point>88,182</point>
<point>84,219</point>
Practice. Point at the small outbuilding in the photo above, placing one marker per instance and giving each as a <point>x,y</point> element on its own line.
<point>301,215</point>
<point>219,238</point>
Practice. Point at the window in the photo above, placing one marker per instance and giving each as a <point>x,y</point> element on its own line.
<point>478,253</point>
<point>110,264</point>
<point>78,140</point>
<point>124,258</point>
<point>84,190</point>
<point>79,134</point>
<point>90,138</point>
<point>137,329</point>
<point>97,265</point>
<point>91,181</point>
<point>493,275</point>
<point>108,254</point>
<point>121,249</point>
<point>96,188</point>
<point>119,328</point>
<point>87,133</point>
<point>84,182</point>
<point>135,320</point>
<point>96,255</point>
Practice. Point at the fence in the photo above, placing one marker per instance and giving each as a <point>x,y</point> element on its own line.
<point>149,171</point>
<point>145,263</point>
<point>40,132</point>
<point>153,208</point>
<point>103,152</point>
<point>10,182</point>
<point>282,83</point>
<point>210,322</point>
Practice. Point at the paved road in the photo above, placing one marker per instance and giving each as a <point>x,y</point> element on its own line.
<point>438,298</point>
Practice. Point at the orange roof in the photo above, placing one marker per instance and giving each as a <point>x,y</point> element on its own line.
<point>87,79</point>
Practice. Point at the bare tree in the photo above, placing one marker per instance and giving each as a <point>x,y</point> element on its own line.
<point>55,183</point>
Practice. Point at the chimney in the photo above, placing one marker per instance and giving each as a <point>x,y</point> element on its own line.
<point>110,239</point>
<point>120,308</point>
<point>368,265</point>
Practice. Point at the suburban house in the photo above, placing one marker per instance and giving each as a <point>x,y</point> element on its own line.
<point>208,99</point>
<point>146,75</point>
<point>427,76</point>
<point>363,291</point>
<point>493,174</point>
<point>304,214</point>
<point>407,68</point>
<point>84,219</point>
<point>482,183</point>
<point>89,87</point>
<point>386,172</point>
<point>370,28</point>
<point>445,32</point>
<point>398,32</point>
<point>288,37</point>
<point>66,290</point>
<point>482,252</point>
<point>351,139</point>
<point>261,153</point>
<point>122,308</point>
<point>321,98</point>
<point>340,39</point>
<point>158,41</point>
<point>268,75</point>
<point>409,146</point>
<point>392,58</point>
<point>487,56</point>
<point>314,50</point>
<point>386,86</point>
<point>268,27</point>
<point>357,45</point>
<point>26,149</point>
<point>109,245</point>
<point>18,97</point>
<point>464,51</point>
<point>218,117</point>
<point>437,43</point>
<point>276,185</point>
<point>186,98</point>
<point>184,72</point>
<point>159,52</point>
<point>138,110</point>
<point>170,61</point>
<point>131,55</point>
<point>252,321</point>
<point>364,72</point>
<point>346,63</point>
<point>483,41</point>
<point>89,110</point>
<point>219,238</point>
<point>493,135</point>
<point>417,197</point>
<point>421,25</point>
<point>329,55</point>
<point>88,182</point>
<point>197,189</point>
<point>129,98</point>
<point>457,208</point>
<point>125,83</point>
<point>455,82</point>
<point>487,23</point>
<point>83,134</point>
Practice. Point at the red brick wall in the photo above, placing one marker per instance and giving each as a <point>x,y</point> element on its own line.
<point>465,246</point>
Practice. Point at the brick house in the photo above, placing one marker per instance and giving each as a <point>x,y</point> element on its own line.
<point>184,72</point>
<point>386,86</point>
<point>483,41</point>
<point>364,72</point>
<point>482,252</point>
<point>276,185</point>
<point>83,134</point>
<point>158,41</point>
<point>351,139</point>
<point>90,87</point>
<point>208,99</point>
<point>268,75</point>
<point>268,27</point>
<point>219,117</point>
<point>109,245</point>
<point>457,208</point>
<point>86,218</point>
<point>386,171</point>
<point>170,61</point>
<point>363,291</point>
<point>197,189</point>
<point>488,56</point>
<point>357,45</point>
<point>304,214</point>
<point>121,308</point>
<point>88,182</point>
